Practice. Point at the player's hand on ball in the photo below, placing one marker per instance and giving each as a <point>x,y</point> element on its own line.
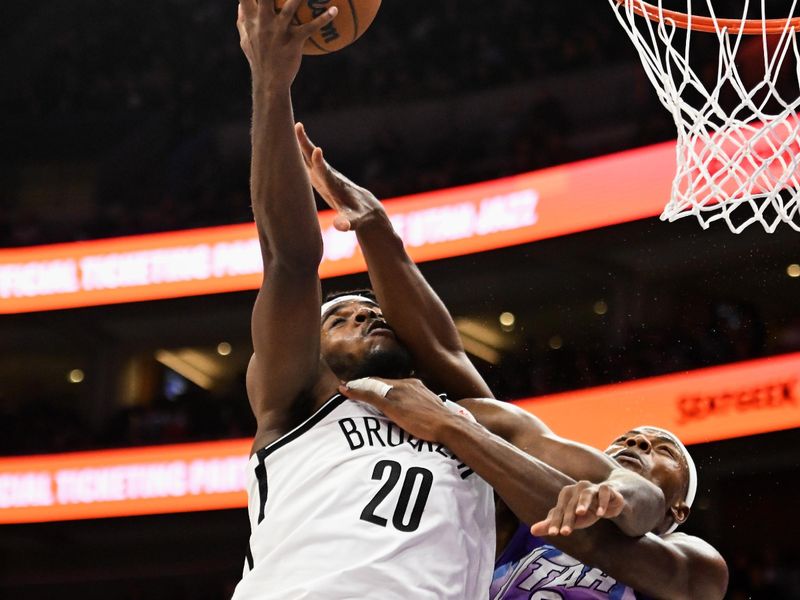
<point>408,403</point>
<point>353,204</point>
<point>272,41</point>
<point>580,505</point>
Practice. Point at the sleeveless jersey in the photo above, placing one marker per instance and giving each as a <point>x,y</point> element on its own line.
<point>349,506</point>
<point>531,569</point>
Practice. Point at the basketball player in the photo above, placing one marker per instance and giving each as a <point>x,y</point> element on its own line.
<point>342,502</point>
<point>419,318</point>
<point>661,565</point>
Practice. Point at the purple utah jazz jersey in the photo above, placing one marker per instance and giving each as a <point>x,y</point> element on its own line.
<point>530,569</point>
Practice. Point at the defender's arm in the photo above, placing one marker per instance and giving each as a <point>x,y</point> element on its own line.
<point>674,567</point>
<point>417,314</point>
<point>644,504</point>
<point>409,303</point>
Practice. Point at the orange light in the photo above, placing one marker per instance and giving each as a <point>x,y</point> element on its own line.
<point>113,483</point>
<point>735,400</point>
<point>453,222</point>
<point>706,405</point>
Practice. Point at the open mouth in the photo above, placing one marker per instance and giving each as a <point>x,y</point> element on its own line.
<point>379,328</point>
<point>626,456</point>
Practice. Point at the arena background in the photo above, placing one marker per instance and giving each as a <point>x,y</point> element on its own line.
<point>121,118</point>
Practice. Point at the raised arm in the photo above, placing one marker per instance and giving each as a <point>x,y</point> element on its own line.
<point>285,321</point>
<point>676,567</point>
<point>409,303</point>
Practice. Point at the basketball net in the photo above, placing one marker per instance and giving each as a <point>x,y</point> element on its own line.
<point>738,159</point>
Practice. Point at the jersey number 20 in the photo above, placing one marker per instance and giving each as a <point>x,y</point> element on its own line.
<point>404,500</point>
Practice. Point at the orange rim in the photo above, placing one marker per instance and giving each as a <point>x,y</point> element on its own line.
<point>682,20</point>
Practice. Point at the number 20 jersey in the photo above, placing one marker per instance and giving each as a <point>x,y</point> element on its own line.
<point>349,506</point>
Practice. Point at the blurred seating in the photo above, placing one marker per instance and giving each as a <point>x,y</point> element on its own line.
<point>138,93</point>
<point>716,333</point>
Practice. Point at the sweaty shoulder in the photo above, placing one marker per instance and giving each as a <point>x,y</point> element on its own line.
<point>692,544</point>
<point>504,419</point>
<point>708,572</point>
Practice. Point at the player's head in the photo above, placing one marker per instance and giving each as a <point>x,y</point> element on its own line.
<point>357,342</point>
<point>659,456</point>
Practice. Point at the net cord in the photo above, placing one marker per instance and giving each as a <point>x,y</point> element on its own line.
<point>721,163</point>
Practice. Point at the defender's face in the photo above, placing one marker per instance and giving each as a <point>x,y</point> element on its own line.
<point>655,457</point>
<point>354,336</point>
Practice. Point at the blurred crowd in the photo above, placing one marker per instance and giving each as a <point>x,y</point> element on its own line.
<point>763,575</point>
<point>722,333</point>
<point>714,333</point>
<point>183,54</point>
<point>138,95</point>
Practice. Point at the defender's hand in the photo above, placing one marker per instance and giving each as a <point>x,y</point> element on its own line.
<point>409,404</point>
<point>272,41</point>
<point>353,204</point>
<point>580,505</point>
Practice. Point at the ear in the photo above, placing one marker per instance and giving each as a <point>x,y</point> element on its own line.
<point>680,512</point>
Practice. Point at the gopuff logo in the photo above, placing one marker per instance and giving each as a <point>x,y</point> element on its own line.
<point>763,397</point>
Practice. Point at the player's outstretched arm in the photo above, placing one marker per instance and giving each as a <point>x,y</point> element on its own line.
<point>527,485</point>
<point>410,305</point>
<point>672,567</point>
<point>675,567</point>
<point>285,322</point>
<point>634,504</point>
<point>638,504</point>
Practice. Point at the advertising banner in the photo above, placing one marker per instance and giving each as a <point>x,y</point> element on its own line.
<point>442,224</point>
<point>706,405</point>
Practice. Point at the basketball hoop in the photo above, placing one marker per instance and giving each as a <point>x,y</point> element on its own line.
<point>738,150</point>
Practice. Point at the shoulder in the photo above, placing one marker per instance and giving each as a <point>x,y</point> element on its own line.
<point>708,572</point>
<point>691,544</point>
<point>276,411</point>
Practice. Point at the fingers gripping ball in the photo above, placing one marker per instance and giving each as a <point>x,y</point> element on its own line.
<point>354,17</point>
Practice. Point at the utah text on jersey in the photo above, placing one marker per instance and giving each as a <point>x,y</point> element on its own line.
<point>546,573</point>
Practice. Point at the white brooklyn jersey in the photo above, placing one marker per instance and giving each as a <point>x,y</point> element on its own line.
<point>349,506</point>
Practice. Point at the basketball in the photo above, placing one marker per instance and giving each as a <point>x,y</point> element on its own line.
<point>354,17</point>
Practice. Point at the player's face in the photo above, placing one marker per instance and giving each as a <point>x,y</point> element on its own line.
<point>657,458</point>
<point>356,342</point>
